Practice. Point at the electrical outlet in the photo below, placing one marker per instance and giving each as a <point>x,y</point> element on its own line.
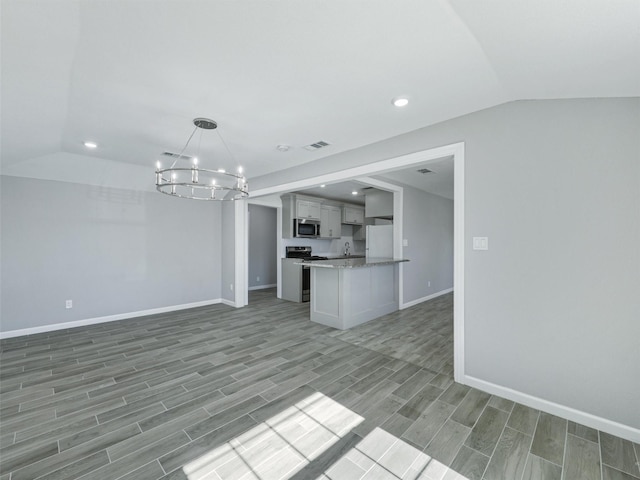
<point>231,287</point>
<point>257,278</point>
<point>481,243</point>
<point>68,304</point>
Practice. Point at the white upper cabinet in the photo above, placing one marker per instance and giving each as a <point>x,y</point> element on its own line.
<point>353,215</point>
<point>307,209</point>
<point>330,221</point>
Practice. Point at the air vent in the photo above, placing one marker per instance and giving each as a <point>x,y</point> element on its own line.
<point>425,171</point>
<point>316,146</point>
<point>176,155</point>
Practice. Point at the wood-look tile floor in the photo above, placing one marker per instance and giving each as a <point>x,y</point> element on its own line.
<point>263,393</point>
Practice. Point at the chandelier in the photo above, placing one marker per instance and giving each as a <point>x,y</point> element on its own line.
<point>193,181</point>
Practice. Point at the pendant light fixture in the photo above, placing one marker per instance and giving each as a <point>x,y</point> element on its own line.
<point>198,183</point>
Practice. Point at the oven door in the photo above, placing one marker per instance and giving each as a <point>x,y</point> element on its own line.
<point>306,283</point>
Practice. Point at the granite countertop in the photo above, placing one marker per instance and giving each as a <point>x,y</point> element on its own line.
<point>352,262</point>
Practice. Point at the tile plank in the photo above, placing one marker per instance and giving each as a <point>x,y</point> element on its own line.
<point>619,454</point>
<point>487,430</point>
<point>540,469</point>
<point>471,407</point>
<point>582,461</point>
<point>510,457</point>
<point>549,438</point>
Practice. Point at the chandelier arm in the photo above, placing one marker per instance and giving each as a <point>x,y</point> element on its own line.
<point>185,147</point>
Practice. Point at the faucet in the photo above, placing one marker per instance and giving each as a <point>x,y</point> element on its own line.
<point>346,249</point>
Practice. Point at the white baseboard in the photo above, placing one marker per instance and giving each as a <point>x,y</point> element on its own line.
<point>262,287</point>
<point>109,318</point>
<point>231,303</point>
<point>593,421</point>
<point>424,299</point>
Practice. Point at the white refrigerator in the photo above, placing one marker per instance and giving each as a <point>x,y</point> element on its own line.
<point>379,241</point>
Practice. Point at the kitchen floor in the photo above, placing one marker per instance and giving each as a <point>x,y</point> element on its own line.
<point>262,393</point>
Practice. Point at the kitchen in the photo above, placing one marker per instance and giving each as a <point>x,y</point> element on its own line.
<point>419,207</point>
<point>337,232</point>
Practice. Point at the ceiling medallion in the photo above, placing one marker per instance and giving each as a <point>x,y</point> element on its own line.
<point>200,183</point>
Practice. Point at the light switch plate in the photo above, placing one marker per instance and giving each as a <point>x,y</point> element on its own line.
<point>405,242</point>
<point>481,243</point>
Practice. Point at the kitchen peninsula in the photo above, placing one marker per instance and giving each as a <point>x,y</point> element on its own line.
<point>349,292</point>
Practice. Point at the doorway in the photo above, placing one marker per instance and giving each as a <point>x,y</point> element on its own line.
<point>262,251</point>
<point>362,173</point>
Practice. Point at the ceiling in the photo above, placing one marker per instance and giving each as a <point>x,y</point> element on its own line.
<point>435,176</point>
<point>132,75</point>
<point>342,191</point>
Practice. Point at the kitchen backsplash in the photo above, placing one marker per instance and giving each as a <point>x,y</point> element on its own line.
<point>328,247</point>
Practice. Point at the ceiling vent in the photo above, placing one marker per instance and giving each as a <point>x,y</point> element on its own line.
<point>176,155</point>
<point>316,146</point>
<point>425,171</point>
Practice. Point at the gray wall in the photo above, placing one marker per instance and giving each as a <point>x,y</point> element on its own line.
<point>551,308</point>
<point>228,251</point>
<point>110,251</point>
<point>263,248</point>
<point>428,228</point>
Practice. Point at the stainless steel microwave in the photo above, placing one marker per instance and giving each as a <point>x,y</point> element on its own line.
<point>305,228</point>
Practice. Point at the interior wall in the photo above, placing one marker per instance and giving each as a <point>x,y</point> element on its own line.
<point>550,308</point>
<point>263,248</point>
<point>227,253</point>
<point>110,251</point>
<point>428,228</point>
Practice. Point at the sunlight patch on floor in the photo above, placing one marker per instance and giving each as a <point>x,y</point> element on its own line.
<point>382,456</point>
<point>281,446</point>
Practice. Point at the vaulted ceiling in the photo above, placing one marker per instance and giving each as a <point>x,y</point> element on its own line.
<point>131,75</point>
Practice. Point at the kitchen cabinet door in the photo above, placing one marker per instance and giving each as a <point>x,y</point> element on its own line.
<point>330,222</point>
<point>353,215</point>
<point>335,222</point>
<point>307,209</point>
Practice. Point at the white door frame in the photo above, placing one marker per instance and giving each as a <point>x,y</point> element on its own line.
<point>356,173</point>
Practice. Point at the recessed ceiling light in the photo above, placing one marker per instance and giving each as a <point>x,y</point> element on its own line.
<point>90,144</point>
<point>400,101</point>
<point>354,193</point>
<point>283,148</point>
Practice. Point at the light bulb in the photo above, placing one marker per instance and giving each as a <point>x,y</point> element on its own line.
<point>195,160</point>
<point>158,165</point>
<point>400,101</point>
<point>239,169</point>
<point>221,170</point>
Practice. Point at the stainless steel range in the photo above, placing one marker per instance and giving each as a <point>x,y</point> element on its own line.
<point>303,253</point>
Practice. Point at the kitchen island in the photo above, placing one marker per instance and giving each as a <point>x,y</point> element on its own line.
<point>347,292</point>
